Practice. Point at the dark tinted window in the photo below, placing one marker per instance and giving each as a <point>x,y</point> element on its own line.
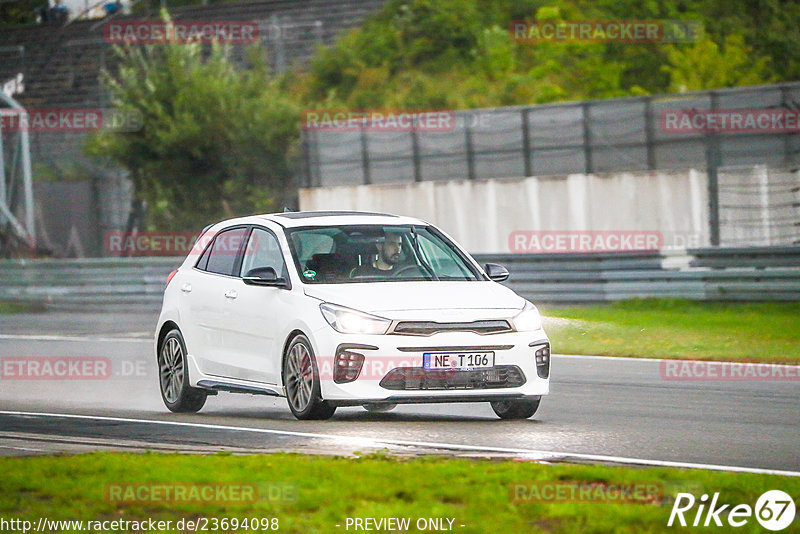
<point>263,250</point>
<point>222,257</point>
<point>202,264</point>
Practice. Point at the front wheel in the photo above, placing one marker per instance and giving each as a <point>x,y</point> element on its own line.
<point>174,378</point>
<point>516,409</point>
<point>301,379</point>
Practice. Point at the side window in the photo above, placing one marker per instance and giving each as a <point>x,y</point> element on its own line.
<point>263,250</point>
<point>222,255</point>
<point>443,259</point>
<point>309,243</point>
<point>203,263</point>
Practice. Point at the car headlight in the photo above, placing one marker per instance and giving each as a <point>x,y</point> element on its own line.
<point>349,321</point>
<point>528,319</point>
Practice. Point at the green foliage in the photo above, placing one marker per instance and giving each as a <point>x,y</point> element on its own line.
<point>216,139</point>
<point>705,65</point>
<point>460,54</point>
<point>219,140</point>
<point>19,12</point>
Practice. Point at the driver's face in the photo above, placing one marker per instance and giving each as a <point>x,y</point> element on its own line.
<point>390,249</point>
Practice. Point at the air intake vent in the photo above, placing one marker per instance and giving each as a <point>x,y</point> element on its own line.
<point>417,378</point>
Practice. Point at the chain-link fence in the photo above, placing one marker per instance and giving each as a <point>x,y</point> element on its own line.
<point>628,134</point>
<point>701,130</point>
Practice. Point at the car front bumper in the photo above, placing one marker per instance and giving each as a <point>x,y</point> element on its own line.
<point>514,375</point>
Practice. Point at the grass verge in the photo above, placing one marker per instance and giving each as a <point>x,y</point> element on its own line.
<point>316,493</point>
<point>679,329</point>
<point>8,306</point>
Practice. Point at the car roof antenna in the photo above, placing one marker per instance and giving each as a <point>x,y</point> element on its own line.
<point>287,209</point>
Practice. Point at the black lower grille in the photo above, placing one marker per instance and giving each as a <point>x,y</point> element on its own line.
<point>417,378</point>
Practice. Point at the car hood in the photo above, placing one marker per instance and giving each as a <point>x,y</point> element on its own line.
<point>451,300</point>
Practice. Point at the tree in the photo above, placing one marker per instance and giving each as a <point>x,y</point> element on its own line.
<point>706,65</point>
<point>216,140</point>
<point>18,12</point>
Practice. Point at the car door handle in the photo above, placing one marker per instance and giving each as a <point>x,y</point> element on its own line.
<point>186,288</point>
<point>231,294</point>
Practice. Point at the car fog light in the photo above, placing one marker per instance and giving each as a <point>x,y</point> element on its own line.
<point>347,366</point>
<point>543,362</point>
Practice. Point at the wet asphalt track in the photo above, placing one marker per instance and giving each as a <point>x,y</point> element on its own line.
<point>614,409</point>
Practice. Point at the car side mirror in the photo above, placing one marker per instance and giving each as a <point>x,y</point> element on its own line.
<point>264,276</point>
<point>496,272</point>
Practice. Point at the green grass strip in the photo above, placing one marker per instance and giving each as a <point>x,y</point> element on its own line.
<point>680,329</point>
<point>315,493</point>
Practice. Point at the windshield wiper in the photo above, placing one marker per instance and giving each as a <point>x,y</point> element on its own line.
<point>419,255</point>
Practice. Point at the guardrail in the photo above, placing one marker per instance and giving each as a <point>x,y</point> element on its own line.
<point>727,274</point>
<point>724,274</point>
<point>87,282</point>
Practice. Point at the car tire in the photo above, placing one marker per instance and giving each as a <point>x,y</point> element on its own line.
<point>516,409</point>
<point>301,380</point>
<point>173,376</point>
<point>379,408</point>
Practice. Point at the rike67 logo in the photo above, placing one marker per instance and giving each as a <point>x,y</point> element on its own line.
<point>774,510</point>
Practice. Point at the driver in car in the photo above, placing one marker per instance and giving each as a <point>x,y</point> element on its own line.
<point>388,256</point>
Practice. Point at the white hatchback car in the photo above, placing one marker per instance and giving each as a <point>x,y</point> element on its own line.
<point>344,309</point>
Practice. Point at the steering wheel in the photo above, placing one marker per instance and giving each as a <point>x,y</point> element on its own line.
<point>406,268</point>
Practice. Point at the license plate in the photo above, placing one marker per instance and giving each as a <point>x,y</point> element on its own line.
<point>457,360</point>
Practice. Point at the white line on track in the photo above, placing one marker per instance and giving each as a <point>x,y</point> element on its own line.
<point>70,337</point>
<point>526,453</point>
<point>703,362</point>
<point>20,448</point>
<point>143,337</point>
<point>592,357</point>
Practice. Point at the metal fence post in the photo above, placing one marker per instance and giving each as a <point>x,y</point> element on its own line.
<point>415,154</point>
<point>316,162</point>
<point>470,151</point>
<point>365,157</point>
<point>587,139</point>
<point>712,164</point>
<point>276,36</point>
<point>526,143</point>
<point>787,152</point>
<point>648,132</point>
<point>306,144</point>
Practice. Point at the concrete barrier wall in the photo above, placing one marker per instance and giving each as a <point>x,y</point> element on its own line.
<point>485,215</point>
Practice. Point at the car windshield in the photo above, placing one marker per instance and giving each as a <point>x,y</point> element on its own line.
<point>376,253</point>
